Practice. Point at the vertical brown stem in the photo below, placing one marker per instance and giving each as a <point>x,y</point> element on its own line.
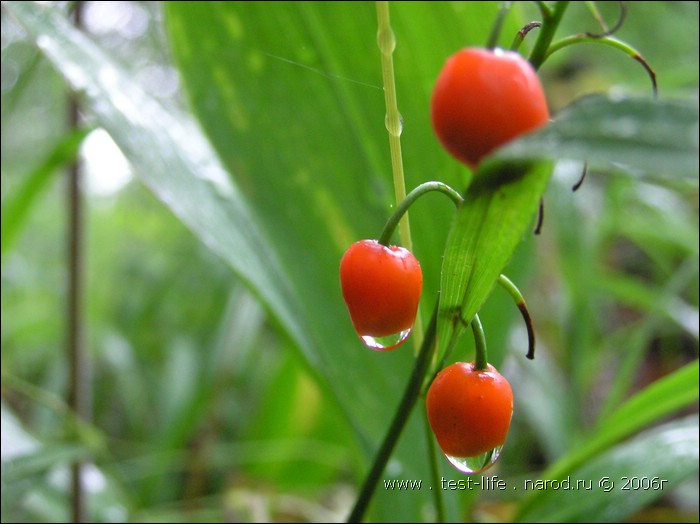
<point>78,398</point>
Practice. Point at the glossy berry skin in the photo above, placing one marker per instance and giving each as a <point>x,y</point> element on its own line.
<point>484,98</point>
<point>381,286</point>
<point>469,410</point>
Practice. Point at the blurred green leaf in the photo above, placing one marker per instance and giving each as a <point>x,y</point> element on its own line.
<point>662,398</point>
<point>35,476</point>
<point>636,135</point>
<point>290,96</point>
<point>172,157</point>
<point>17,204</point>
<point>612,486</point>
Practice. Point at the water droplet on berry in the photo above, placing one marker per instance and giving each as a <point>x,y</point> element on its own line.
<point>386,343</point>
<point>477,463</point>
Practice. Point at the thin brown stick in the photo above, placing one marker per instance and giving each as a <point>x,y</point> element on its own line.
<point>78,399</point>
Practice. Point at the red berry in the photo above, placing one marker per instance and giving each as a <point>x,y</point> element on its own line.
<point>484,98</point>
<point>381,287</point>
<point>469,410</point>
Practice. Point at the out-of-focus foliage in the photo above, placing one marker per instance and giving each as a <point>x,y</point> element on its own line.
<point>226,380</point>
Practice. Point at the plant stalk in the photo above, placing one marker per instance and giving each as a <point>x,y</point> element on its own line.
<point>386,40</point>
<point>408,401</point>
<point>481,361</point>
<point>551,18</point>
<point>409,199</point>
<point>78,397</point>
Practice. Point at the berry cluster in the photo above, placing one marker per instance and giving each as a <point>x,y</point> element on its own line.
<point>482,99</point>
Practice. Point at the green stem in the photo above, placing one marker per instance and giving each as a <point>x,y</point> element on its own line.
<point>386,41</point>
<point>504,8</point>
<point>434,472</point>
<point>408,401</point>
<point>482,358</point>
<point>550,23</point>
<point>544,8</point>
<point>402,208</point>
<point>514,292</point>
<point>606,31</point>
<point>609,41</point>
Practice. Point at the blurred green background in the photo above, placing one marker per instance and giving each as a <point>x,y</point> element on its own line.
<point>225,382</point>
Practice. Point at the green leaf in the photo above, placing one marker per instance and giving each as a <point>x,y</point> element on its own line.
<point>612,486</point>
<point>17,204</point>
<point>635,135</point>
<point>660,399</point>
<point>172,158</point>
<point>35,475</point>
<point>290,95</point>
<point>498,208</point>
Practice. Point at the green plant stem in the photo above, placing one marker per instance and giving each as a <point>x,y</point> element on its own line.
<point>593,7</point>
<point>544,8</point>
<point>503,9</point>
<point>408,401</point>
<point>386,41</point>
<point>402,208</point>
<point>514,292</point>
<point>434,472</point>
<point>482,358</point>
<point>609,41</point>
<point>551,19</point>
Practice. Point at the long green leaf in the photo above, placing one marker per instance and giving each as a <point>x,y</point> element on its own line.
<point>614,485</point>
<point>17,204</point>
<point>498,208</point>
<point>662,398</point>
<point>171,156</point>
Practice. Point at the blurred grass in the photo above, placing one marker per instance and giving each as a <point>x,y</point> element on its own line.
<point>208,408</point>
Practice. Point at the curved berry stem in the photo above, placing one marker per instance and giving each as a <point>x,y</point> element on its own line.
<point>514,292</point>
<point>420,190</point>
<point>618,24</point>
<point>609,41</point>
<point>482,359</point>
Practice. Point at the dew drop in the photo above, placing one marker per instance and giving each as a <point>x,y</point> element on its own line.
<point>477,463</point>
<point>386,343</point>
<point>394,124</point>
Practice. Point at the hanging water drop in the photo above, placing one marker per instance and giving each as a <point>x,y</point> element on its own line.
<point>477,463</point>
<point>386,343</point>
